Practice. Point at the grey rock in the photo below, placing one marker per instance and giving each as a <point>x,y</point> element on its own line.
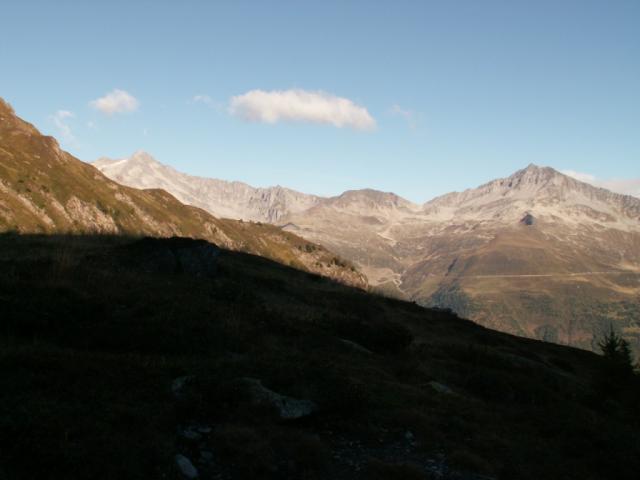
<point>440,387</point>
<point>190,434</point>
<point>205,429</point>
<point>186,467</point>
<point>288,408</point>
<point>355,346</point>
<point>528,219</point>
<point>179,386</point>
<point>206,456</point>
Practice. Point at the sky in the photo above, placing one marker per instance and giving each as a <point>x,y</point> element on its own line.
<point>415,97</point>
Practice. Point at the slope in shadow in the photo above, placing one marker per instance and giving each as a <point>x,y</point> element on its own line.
<point>96,330</point>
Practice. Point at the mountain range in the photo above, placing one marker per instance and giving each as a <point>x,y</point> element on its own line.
<point>44,189</point>
<point>538,253</point>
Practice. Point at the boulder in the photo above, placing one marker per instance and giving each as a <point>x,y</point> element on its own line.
<point>288,408</point>
<point>528,219</point>
<point>355,346</point>
<point>180,385</point>
<point>186,467</point>
<point>440,387</point>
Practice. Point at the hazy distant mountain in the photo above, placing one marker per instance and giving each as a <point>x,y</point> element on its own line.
<point>537,253</point>
<point>555,196</point>
<point>224,199</point>
<point>46,190</point>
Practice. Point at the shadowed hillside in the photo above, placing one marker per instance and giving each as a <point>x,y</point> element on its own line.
<point>145,358</point>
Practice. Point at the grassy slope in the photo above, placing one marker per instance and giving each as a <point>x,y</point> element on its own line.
<point>87,356</point>
<point>573,310</point>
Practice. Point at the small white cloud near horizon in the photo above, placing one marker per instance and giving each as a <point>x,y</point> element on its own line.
<point>208,101</point>
<point>410,116</point>
<point>300,106</point>
<point>59,119</point>
<point>116,101</point>
<point>202,98</point>
<point>629,186</point>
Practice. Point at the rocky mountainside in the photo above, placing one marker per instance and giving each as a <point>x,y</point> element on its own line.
<point>225,199</point>
<point>555,196</point>
<point>538,253</point>
<point>46,190</point>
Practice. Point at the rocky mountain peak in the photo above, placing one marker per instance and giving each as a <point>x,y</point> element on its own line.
<point>138,158</point>
<point>11,122</point>
<point>143,157</point>
<point>532,179</point>
<point>533,172</point>
<point>371,199</point>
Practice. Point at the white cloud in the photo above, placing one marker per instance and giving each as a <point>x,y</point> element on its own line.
<point>300,106</point>
<point>59,119</point>
<point>630,186</point>
<point>583,177</point>
<point>410,116</point>
<point>116,101</point>
<point>206,99</point>
<point>626,186</point>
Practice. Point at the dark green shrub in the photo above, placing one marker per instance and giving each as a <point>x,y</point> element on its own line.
<point>617,352</point>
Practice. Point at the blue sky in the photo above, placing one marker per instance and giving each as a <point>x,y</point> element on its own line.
<point>419,97</point>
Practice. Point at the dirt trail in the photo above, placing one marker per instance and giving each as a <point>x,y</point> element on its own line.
<point>576,274</point>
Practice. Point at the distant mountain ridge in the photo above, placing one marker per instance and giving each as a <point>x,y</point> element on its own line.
<point>538,187</point>
<point>537,253</point>
<point>531,186</point>
<point>235,200</point>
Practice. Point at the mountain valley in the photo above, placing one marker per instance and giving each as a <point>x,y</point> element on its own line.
<point>537,254</point>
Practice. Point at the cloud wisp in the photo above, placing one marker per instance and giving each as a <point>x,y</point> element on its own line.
<point>409,116</point>
<point>116,101</point>
<point>206,100</point>
<point>300,106</point>
<point>59,119</point>
<point>626,186</point>
<point>202,98</point>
